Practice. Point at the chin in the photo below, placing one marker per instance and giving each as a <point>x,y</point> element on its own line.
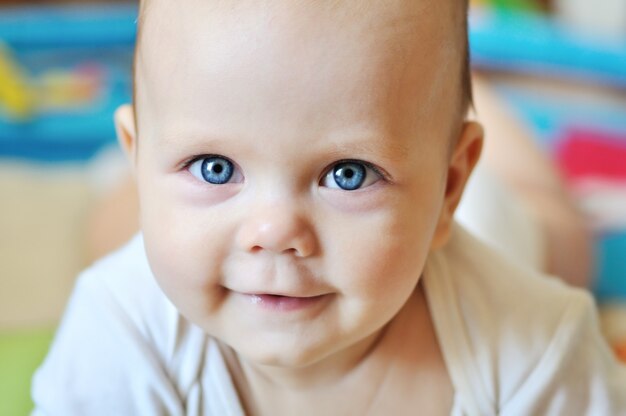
<point>297,355</point>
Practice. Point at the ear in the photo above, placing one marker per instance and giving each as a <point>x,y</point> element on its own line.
<point>464,158</point>
<point>126,132</point>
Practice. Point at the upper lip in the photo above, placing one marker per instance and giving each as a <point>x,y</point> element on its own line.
<point>289,294</point>
<point>285,295</point>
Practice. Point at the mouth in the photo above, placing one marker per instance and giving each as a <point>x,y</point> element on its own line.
<point>285,303</point>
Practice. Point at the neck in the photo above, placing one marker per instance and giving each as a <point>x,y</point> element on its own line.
<point>331,370</point>
<point>361,371</point>
<point>275,390</point>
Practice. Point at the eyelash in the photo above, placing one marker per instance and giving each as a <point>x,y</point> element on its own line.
<point>381,173</point>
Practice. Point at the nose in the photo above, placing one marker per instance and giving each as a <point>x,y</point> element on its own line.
<point>279,230</point>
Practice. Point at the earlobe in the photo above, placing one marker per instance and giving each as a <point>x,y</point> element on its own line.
<point>464,158</point>
<point>126,131</point>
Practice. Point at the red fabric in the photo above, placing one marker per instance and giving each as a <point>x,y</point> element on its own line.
<point>588,153</point>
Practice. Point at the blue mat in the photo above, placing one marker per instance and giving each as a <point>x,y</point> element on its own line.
<point>531,43</point>
<point>61,38</point>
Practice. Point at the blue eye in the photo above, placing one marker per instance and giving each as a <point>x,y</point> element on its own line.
<point>216,170</point>
<point>350,176</point>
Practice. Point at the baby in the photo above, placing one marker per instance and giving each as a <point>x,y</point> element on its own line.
<point>299,164</point>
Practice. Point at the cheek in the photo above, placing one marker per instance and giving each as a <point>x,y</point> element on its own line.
<point>184,245</point>
<point>379,254</point>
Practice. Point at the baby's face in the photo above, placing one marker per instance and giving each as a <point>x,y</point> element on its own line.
<point>292,165</point>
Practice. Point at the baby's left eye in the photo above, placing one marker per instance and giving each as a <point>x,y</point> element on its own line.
<point>350,176</point>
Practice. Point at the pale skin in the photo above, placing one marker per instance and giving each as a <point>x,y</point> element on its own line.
<point>285,92</point>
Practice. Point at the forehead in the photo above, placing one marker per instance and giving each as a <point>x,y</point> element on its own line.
<point>200,58</point>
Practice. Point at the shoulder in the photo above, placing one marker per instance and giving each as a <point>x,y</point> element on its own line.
<point>496,296</point>
<point>118,327</point>
<point>120,292</point>
<point>123,282</point>
<point>515,332</point>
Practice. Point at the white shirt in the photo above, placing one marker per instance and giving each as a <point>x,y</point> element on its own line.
<point>493,212</point>
<point>514,343</point>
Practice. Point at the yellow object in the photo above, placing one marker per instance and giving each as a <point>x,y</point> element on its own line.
<point>16,96</point>
<point>62,89</point>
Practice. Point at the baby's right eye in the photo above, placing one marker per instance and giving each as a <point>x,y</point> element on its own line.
<point>216,170</point>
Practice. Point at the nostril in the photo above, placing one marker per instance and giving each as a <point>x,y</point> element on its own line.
<point>294,251</point>
<point>277,234</point>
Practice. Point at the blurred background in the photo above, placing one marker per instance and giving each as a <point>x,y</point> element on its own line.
<point>64,195</point>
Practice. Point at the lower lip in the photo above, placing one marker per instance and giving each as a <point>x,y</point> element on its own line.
<point>285,303</point>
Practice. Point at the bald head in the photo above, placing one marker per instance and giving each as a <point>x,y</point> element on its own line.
<point>402,33</point>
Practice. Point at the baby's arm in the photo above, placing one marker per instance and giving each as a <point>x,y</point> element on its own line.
<point>511,154</point>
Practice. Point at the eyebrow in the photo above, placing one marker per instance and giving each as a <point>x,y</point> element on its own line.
<point>383,146</point>
<point>358,145</point>
<point>192,139</point>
